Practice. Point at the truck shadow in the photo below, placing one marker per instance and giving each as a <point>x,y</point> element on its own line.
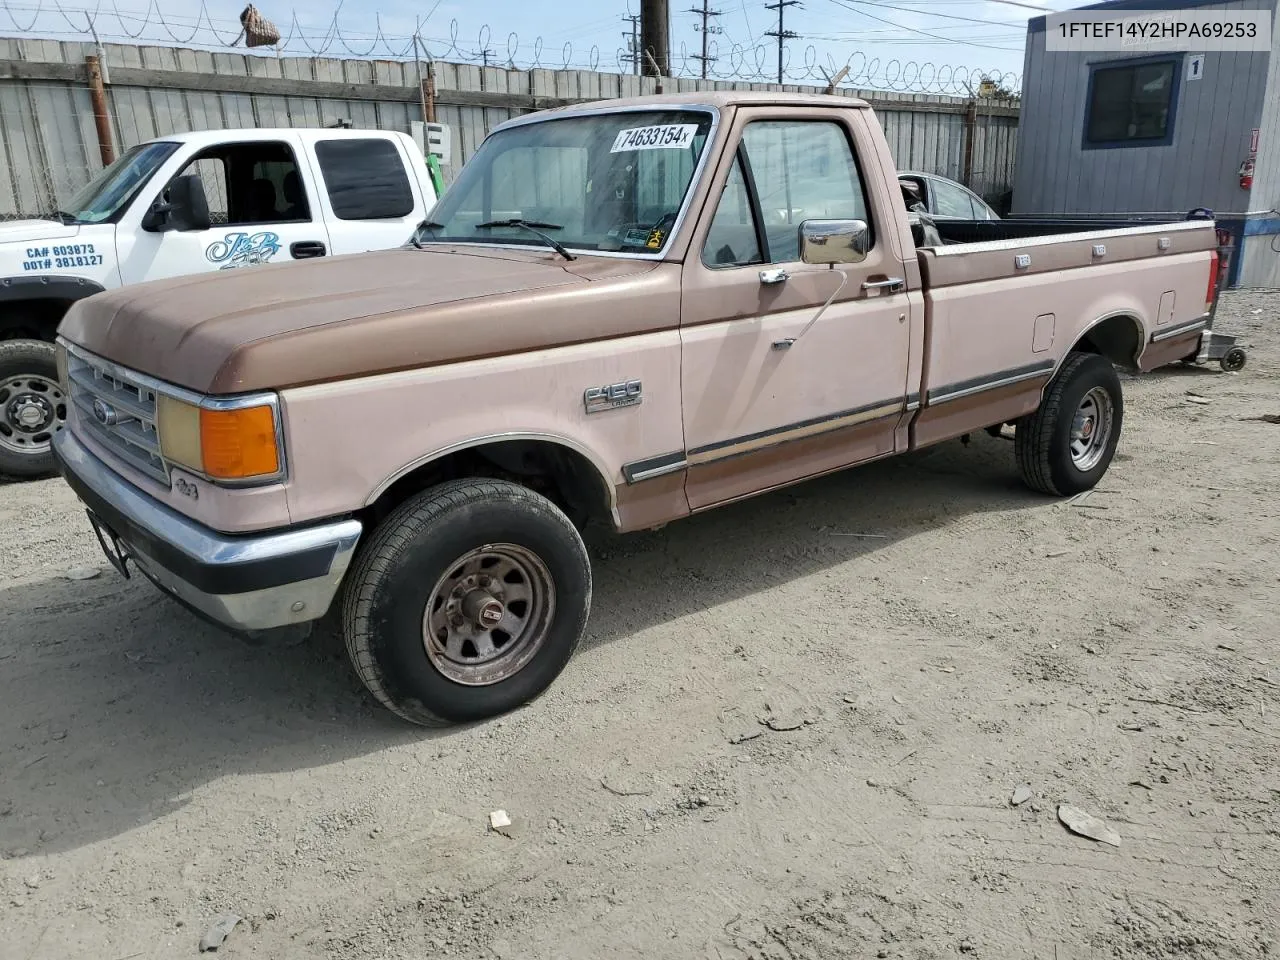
<point>116,706</point>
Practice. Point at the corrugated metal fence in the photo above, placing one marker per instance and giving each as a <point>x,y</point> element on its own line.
<point>49,144</point>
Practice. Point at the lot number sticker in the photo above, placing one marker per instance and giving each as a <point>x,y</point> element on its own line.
<point>666,136</point>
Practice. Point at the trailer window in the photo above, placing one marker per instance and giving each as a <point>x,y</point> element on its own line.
<point>1131,104</point>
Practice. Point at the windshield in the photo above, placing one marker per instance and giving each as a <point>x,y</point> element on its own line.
<point>103,196</point>
<point>610,182</point>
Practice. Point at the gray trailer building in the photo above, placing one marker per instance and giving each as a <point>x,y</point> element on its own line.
<point>1143,134</point>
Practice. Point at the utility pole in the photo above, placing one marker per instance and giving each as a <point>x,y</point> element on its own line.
<point>706,13</point>
<point>633,41</point>
<point>655,32</point>
<point>782,35</point>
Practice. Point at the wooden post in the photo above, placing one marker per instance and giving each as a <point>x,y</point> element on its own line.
<point>101,119</point>
<point>431,91</point>
<point>835,81</point>
<point>970,131</point>
<point>655,33</point>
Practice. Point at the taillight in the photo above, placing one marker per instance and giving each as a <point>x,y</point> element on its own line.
<point>1213,279</point>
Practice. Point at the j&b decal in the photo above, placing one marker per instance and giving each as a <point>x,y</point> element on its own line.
<point>243,249</point>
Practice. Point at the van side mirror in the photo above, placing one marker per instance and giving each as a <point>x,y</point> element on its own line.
<point>182,206</point>
<point>834,241</point>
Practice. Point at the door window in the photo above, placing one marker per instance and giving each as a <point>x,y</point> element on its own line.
<point>799,170</point>
<point>251,184</point>
<point>951,200</point>
<point>732,240</point>
<point>365,178</point>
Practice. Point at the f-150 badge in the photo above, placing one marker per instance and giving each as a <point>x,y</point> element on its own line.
<point>624,394</point>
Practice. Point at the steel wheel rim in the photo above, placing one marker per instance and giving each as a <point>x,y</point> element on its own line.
<point>489,615</point>
<point>1091,429</point>
<point>32,409</point>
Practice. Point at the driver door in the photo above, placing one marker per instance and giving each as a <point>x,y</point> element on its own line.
<point>261,210</point>
<point>773,390</point>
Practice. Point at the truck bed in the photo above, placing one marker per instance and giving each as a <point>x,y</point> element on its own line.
<point>1000,313</point>
<point>986,231</point>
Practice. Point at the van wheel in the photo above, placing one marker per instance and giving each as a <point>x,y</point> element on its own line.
<point>1066,445</point>
<point>467,602</point>
<point>32,407</point>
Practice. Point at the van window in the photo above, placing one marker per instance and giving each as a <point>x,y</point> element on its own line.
<point>365,178</point>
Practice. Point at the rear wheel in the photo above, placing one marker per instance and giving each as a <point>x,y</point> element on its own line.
<point>32,407</point>
<point>467,602</point>
<point>1066,445</point>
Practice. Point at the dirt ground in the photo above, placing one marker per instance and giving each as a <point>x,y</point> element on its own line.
<point>922,636</point>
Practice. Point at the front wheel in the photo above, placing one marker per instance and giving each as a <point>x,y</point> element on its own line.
<point>32,407</point>
<point>467,602</point>
<point>1066,445</point>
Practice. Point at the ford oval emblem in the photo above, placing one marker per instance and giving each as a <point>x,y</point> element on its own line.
<point>104,412</point>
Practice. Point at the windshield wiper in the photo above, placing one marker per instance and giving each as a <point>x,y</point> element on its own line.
<point>424,225</point>
<point>533,227</point>
<point>66,219</point>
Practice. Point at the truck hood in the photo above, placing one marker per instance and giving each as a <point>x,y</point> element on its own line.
<point>32,231</point>
<point>283,325</point>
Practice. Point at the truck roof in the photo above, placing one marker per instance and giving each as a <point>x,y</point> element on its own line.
<point>709,98</point>
<point>248,134</point>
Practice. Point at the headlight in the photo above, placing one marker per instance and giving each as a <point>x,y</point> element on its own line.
<point>223,443</point>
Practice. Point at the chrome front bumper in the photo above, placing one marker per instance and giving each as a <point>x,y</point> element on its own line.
<point>245,583</point>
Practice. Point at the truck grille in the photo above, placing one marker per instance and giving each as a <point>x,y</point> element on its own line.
<point>118,410</point>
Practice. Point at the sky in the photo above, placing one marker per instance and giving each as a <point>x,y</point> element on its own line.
<point>916,44</point>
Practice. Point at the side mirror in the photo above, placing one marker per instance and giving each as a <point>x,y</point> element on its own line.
<point>182,206</point>
<point>834,241</point>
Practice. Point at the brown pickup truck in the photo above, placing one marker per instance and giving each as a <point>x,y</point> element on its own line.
<point>628,310</point>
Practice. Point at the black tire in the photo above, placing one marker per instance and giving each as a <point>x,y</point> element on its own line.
<point>28,369</point>
<point>1234,360</point>
<point>396,574</point>
<point>1043,438</point>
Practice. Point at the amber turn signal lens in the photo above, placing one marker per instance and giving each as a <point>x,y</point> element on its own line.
<point>239,444</point>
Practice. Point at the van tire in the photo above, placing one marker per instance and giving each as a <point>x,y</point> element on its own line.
<point>1086,388</point>
<point>29,369</point>
<point>433,551</point>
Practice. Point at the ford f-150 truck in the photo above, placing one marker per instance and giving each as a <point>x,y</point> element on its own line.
<point>630,310</point>
<point>247,197</point>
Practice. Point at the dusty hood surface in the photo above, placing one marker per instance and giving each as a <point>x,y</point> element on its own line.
<point>275,326</point>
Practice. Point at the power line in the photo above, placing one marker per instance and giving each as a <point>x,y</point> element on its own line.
<point>783,35</point>
<point>923,33</point>
<point>929,13</point>
<point>706,13</point>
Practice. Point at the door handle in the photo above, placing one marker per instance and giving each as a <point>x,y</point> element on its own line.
<point>305,249</point>
<point>769,277</point>
<point>891,284</point>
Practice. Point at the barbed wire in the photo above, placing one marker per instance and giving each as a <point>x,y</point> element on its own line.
<point>752,62</point>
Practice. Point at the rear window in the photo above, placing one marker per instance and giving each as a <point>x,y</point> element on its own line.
<point>365,179</point>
